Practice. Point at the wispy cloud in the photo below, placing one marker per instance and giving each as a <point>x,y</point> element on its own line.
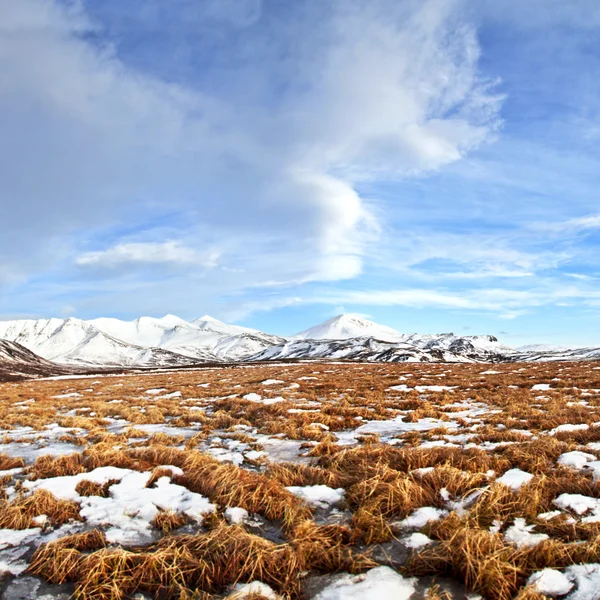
<point>148,253</point>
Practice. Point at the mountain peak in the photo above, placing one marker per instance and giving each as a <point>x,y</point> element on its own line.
<point>349,325</point>
<point>206,319</point>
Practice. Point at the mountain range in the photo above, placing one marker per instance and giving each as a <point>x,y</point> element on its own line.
<point>172,341</point>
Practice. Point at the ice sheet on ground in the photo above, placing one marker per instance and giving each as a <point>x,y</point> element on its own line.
<point>281,450</point>
<point>378,583</point>
<point>29,452</point>
<point>16,537</point>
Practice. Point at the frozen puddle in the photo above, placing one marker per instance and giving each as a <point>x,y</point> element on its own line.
<point>29,452</point>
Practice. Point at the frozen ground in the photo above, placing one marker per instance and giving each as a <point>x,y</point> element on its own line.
<point>323,481</point>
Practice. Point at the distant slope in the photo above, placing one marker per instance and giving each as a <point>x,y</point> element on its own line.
<point>16,362</point>
<point>363,349</point>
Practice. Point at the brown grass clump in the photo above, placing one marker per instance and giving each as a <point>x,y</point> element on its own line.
<point>232,486</point>
<point>168,520</point>
<point>20,513</point>
<point>60,561</point>
<point>9,462</point>
<point>91,488</point>
<point>479,558</point>
<point>289,474</point>
<point>51,466</point>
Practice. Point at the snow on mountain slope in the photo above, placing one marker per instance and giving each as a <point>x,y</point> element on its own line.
<point>207,323</point>
<point>465,344</point>
<point>348,326</point>
<point>555,355</point>
<point>241,346</point>
<point>543,348</point>
<point>16,362</point>
<point>99,348</point>
<point>73,341</point>
<point>143,342</point>
<point>171,341</point>
<point>363,349</point>
<point>145,331</point>
<point>353,326</point>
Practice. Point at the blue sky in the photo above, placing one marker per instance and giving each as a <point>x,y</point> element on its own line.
<point>434,164</point>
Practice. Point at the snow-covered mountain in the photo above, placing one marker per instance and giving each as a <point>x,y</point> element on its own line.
<point>144,342</point>
<point>364,349</point>
<point>347,326</point>
<point>350,326</point>
<point>172,341</point>
<point>554,354</point>
<point>16,362</point>
<point>76,342</point>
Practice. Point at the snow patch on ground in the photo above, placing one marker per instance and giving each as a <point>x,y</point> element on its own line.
<point>378,583</point>
<point>131,506</point>
<point>515,478</point>
<point>321,496</point>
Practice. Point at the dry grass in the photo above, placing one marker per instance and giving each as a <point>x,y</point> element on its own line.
<point>20,513</point>
<point>383,483</point>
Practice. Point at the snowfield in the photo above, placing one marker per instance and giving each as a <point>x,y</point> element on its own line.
<point>317,481</point>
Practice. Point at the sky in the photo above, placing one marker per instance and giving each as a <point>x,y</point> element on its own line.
<point>431,164</point>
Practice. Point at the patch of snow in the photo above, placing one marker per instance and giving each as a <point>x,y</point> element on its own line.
<point>520,534</point>
<point>586,579</point>
<point>420,517</point>
<point>550,582</point>
<point>131,505</point>
<point>236,515</point>
<point>515,478</point>
<point>575,459</point>
<point>16,537</point>
<point>417,540</point>
<point>255,588</point>
<point>320,496</point>
<point>569,427</point>
<point>381,582</point>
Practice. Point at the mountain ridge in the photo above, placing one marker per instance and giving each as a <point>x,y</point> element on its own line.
<point>171,341</point>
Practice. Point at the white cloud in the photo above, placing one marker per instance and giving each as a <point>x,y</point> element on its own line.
<point>149,253</point>
<point>266,158</point>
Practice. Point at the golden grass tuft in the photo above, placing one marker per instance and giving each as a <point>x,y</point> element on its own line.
<point>92,488</point>
<point>19,513</point>
<point>167,520</point>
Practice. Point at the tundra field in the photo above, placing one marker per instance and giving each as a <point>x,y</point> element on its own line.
<point>322,481</point>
